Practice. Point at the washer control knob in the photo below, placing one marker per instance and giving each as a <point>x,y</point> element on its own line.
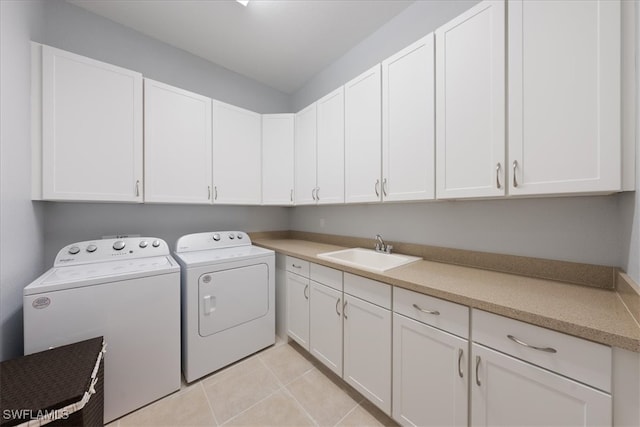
<point>143,244</point>
<point>239,235</point>
<point>119,245</point>
<point>216,237</point>
<point>91,248</point>
<point>74,250</point>
<point>155,243</point>
<point>231,236</point>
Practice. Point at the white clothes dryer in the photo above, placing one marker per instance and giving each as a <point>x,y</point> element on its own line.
<point>126,290</point>
<point>228,300</point>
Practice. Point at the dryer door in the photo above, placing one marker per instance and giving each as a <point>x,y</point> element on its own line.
<point>232,297</point>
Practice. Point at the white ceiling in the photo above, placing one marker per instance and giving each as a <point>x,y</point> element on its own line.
<point>281,43</point>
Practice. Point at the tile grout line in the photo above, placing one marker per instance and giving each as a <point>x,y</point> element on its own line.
<point>206,396</point>
<point>313,420</point>
<point>347,414</point>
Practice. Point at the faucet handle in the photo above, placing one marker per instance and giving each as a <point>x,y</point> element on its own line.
<point>388,248</point>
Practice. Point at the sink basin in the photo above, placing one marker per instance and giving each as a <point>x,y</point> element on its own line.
<point>368,259</point>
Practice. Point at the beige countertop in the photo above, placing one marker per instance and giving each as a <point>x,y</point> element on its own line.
<point>587,312</point>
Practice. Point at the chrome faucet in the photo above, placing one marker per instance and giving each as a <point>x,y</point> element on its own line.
<point>381,246</point>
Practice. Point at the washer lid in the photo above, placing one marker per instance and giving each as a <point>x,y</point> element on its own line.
<point>217,256</point>
<point>81,275</point>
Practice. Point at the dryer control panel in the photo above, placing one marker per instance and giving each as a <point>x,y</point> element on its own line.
<point>110,250</point>
<point>212,240</point>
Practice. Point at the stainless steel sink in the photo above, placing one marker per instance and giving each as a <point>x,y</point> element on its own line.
<point>368,259</point>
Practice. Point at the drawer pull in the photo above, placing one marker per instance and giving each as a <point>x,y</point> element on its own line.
<point>460,353</point>
<point>434,312</point>
<point>522,343</point>
<point>296,266</point>
<point>477,368</point>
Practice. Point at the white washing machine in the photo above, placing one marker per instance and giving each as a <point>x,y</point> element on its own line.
<point>228,300</point>
<point>127,290</point>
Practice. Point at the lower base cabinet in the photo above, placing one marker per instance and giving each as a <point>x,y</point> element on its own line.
<point>325,326</point>
<point>367,350</point>
<point>508,392</point>
<point>298,309</point>
<point>430,375</point>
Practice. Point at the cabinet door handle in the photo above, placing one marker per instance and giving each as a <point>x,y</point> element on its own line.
<point>344,309</point>
<point>498,176</point>
<point>377,187</point>
<point>318,193</point>
<point>209,192</point>
<point>434,312</point>
<point>515,181</point>
<point>291,196</point>
<point>460,353</point>
<point>337,305</point>
<point>477,367</point>
<point>384,187</point>
<point>306,288</point>
<point>524,344</point>
<point>215,192</point>
<point>138,188</point>
<point>313,193</point>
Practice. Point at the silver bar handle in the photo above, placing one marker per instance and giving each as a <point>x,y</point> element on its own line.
<point>209,192</point>
<point>215,192</point>
<point>515,181</point>
<point>377,187</point>
<point>291,196</point>
<point>460,353</point>
<point>498,176</point>
<point>318,194</point>
<point>306,288</point>
<point>344,309</point>
<point>138,188</point>
<point>384,187</point>
<point>296,266</point>
<point>434,312</point>
<point>524,344</point>
<point>313,193</point>
<point>477,367</point>
<point>337,304</point>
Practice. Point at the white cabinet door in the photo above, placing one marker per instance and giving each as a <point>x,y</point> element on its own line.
<point>363,135</point>
<point>367,350</point>
<point>298,309</point>
<point>325,326</point>
<point>305,156</point>
<point>564,96</point>
<point>470,103</point>
<point>177,145</point>
<point>430,376</point>
<point>330,148</point>
<point>506,391</point>
<point>277,159</point>
<point>237,155</point>
<point>408,123</point>
<point>92,129</point>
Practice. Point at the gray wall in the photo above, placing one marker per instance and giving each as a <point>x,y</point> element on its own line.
<point>598,230</point>
<point>411,24</point>
<point>21,223</point>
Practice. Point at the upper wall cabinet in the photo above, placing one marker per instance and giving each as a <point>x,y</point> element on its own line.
<point>237,156</point>
<point>305,155</point>
<point>277,159</point>
<point>91,129</point>
<point>408,123</point>
<point>362,127</point>
<point>470,103</point>
<point>330,148</point>
<point>564,97</point>
<point>177,145</point>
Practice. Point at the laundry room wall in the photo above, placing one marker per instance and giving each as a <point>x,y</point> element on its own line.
<point>76,30</point>
<point>21,221</point>
<point>598,230</point>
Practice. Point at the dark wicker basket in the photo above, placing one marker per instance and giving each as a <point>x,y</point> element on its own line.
<point>49,381</point>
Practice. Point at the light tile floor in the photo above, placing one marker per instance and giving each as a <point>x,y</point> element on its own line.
<point>279,386</point>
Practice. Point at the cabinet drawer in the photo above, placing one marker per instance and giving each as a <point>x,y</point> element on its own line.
<point>325,275</point>
<point>450,317</point>
<point>369,290</point>
<point>298,266</point>
<point>575,358</point>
